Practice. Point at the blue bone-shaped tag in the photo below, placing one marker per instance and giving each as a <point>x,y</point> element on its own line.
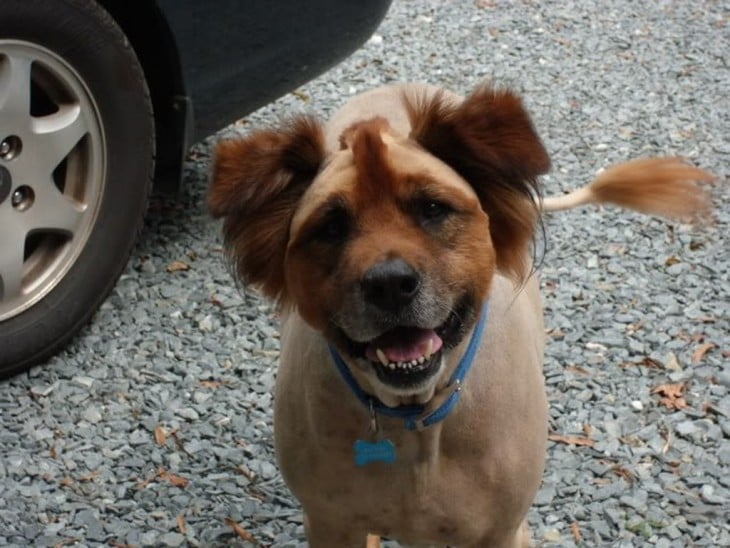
<point>367,452</point>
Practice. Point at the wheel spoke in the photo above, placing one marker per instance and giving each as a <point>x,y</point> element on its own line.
<point>14,90</point>
<point>52,210</point>
<point>55,136</point>
<point>11,260</point>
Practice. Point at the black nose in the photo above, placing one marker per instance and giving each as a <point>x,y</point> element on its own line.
<point>391,285</point>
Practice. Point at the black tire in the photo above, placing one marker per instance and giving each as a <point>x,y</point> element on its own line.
<point>86,38</point>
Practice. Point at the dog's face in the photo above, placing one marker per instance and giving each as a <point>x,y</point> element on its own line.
<point>387,246</point>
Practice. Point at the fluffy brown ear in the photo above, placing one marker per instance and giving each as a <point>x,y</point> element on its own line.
<point>256,184</point>
<point>490,141</point>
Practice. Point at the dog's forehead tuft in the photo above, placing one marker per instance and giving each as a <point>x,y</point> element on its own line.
<point>367,140</point>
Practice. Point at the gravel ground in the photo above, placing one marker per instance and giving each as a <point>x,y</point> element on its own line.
<point>154,427</point>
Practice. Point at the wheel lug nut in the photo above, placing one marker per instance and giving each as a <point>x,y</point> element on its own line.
<point>10,147</point>
<point>22,198</point>
<point>17,198</point>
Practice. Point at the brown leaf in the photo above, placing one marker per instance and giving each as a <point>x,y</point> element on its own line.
<point>301,96</point>
<point>181,525</point>
<point>588,430</point>
<point>674,403</point>
<point>625,473</point>
<point>66,482</point>
<point>673,395</point>
<point>576,369</point>
<point>177,266</point>
<point>160,435</point>
<point>575,528</point>
<point>672,260</point>
<point>210,384</point>
<point>239,530</point>
<point>699,354</point>
<point>177,481</point>
<point>669,390</point>
<point>572,440</point>
<point>646,361</point>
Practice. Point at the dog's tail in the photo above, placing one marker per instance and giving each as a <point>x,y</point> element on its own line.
<point>667,187</point>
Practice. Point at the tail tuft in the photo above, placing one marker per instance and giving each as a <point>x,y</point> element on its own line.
<point>667,187</point>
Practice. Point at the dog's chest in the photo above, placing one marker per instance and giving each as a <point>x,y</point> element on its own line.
<point>420,502</point>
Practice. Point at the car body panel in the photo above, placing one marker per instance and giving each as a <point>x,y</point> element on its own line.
<point>238,56</point>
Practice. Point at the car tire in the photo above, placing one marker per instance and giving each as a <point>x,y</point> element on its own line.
<point>76,164</point>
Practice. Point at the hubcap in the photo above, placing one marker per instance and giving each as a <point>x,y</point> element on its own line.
<point>52,172</point>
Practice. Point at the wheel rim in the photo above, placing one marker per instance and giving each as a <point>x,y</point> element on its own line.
<point>52,172</point>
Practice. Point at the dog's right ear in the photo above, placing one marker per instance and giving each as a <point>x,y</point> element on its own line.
<point>256,184</point>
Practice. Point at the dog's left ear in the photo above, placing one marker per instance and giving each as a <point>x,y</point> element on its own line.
<point>490,141</point>
<point>256,184</point>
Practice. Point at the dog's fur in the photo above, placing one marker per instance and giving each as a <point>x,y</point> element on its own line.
<point>413,184</point>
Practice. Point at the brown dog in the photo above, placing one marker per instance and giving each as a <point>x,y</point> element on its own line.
<point>410,399</point>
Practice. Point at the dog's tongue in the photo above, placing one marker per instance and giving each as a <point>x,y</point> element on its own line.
<point>404,344</point>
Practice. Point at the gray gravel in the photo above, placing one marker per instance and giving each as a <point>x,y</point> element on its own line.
<point>154,427</point>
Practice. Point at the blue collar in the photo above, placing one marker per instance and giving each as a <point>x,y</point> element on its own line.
<point>418,417</point>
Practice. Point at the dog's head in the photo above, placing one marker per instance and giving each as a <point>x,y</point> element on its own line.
<point>389,245</point>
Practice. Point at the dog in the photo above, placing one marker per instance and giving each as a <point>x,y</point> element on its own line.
<point>398,242</point>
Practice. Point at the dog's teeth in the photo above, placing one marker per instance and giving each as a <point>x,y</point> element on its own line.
<point>421,360</point>
<point>381,356</point>
<point>429,349</point>
<point>391,365</point>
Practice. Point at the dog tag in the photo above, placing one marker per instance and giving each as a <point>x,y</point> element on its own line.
<point>380,451</point>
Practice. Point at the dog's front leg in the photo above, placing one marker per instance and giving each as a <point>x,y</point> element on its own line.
<point>325,532</point>
<point>506,539</point>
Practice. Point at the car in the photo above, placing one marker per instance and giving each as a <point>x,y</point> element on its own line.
<point>99,102</point>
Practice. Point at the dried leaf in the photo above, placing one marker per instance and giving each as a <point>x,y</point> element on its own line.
<point>673,395</point>
<point>572,440</point>
<point>248,474</point>
<point>667,441</point>
<point>699,354</point>
<point>301,96</point>
<point>210,384</point>
<point>181,525</point>
<point>575,528</point>
<point>177,266</point>
<point>588,430</point>
<point>672,260</point>
<point>239,530</point>
<point>624,473</point>
<point>672,363</point>
<point>177,481</point>
<point>672,403</point>
<point>160,435</point>
<point>646,361</point>
<point>66,482</point>
<point>577,369</point>
<point>675,390</point>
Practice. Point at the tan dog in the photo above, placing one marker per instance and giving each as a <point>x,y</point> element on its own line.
<point>383,235</point>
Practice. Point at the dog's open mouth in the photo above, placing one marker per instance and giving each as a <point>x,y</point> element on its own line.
<point>405,355</point>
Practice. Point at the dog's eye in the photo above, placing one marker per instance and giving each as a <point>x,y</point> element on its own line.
<point>433,211</point>
<point>334,228</point>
